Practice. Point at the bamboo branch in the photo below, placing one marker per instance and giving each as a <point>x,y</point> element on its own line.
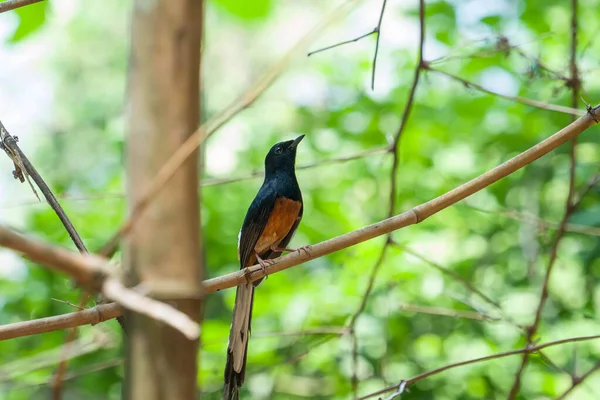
<point>93,272</point>
<point>93,316</point>
<point>413,216</point>
<point>570,207</point>
<point>205,130</point>
<point>14,4</point>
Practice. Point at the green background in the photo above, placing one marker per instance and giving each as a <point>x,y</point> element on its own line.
<point>493,240</point>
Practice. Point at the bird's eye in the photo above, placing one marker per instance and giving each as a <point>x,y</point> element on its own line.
<point>278,150</point>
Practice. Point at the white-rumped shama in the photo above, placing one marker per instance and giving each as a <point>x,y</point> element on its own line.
<point>270,224</point>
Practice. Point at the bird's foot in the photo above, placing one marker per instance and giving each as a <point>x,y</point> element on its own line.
<point>305,249</point>
<point>264,264</point>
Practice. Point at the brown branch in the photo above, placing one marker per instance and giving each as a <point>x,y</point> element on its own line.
<point>92,316</point>
<point>9,145</point>
<point>578,380</point>
<point>93,272</point>
<point>518,99</point>
<point>468,285</point>
<point>570,207</point>
<point>376,30</point>
<point>395,150</point>
<point>525,350</point>
<point>205,130</point>
<point>222,181</point>
<point>257,174</point>
<point>541,223</point>
<point>447,312</point>
<point>413,216</point>
<point>14,4</point>
<point>218,181</point>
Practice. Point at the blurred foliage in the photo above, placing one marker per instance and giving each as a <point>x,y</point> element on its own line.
<point>30,19</point>
<point>454,134</point>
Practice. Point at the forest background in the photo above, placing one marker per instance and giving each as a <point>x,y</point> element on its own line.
<point>465,283</point>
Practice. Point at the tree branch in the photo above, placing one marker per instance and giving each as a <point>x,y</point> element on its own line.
<point>395,150</point>
<point>93,272</point>
<point>205,130</point>
<point>9,144</point>
<point>524,350</point>
<point>518,99</point>
<point>570,207</point>
<point>413,216</point>
<point>13,4</point>
<point>93,316</point>
<point>578,380</point>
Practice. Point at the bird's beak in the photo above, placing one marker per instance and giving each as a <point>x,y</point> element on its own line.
<point>296,141</point>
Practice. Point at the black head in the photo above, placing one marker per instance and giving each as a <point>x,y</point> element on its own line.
<point>282,156</point>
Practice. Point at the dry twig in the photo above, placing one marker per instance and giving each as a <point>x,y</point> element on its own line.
<point>525,350</point>
<point>14,4</point>
<point>93,272</point>
<point>204,131</point>
<point>413,216</point>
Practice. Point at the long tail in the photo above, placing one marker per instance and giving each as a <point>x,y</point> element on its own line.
<point>237,349</point>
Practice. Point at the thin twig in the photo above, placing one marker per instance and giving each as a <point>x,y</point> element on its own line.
<point>376,30</point>
<point>220,181</point>
<point>92,316</point>
<point>518,99</point>
<point>395,150</point>
<point>13,4</point>
<point>578,380</point>
<point>570,207</point>
<point>447,312</point>
<point>468,285</point>
<point>541,223</point>
<point>203,132</point>
<point>257,174</point>
<point>11,148</point>
<point>47,358</point>
<point>356,39</point>
<point>413,216</point>
<point>525,350</point>
<point>93,272</point>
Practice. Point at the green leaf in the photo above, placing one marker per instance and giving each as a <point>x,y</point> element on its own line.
<point>249,10</point>
<point>31,18</point>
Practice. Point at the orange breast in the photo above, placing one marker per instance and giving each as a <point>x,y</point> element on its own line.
<point>280,223</point>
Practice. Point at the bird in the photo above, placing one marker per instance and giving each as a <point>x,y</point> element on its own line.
<point>269,225</point>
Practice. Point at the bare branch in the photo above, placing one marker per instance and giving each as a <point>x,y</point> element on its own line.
<point>541,223</point>
<point>93,272</point>
<point>92,316</point>
<point>570,207</point>
<point>256,174</point>
<point>525,350</point>
<point>447,312</point>
<point>68,261</point>
<point>9,145</point>
<point>518,99</point>
<point>578,380</point>
<point>468,285</point>
<point>199,136</point>
<point>14,4</point>
<point>395,150</point>
<point>376,30</point>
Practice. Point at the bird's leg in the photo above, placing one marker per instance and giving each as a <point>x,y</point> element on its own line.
<point>305,249</point>
<point>263,264</point>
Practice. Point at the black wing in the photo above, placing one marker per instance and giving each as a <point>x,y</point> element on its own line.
<point>254,224</point>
